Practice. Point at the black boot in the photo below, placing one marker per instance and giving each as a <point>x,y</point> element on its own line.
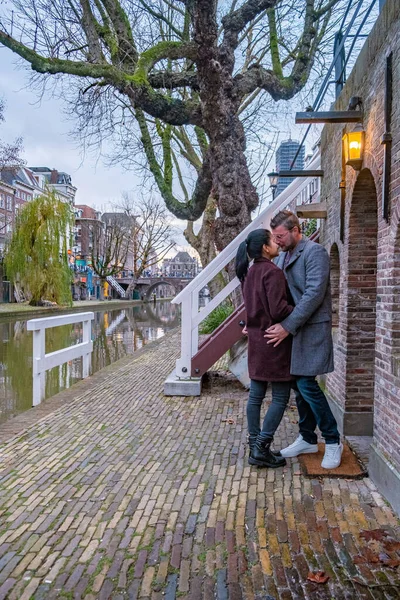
<point>251,440</point>
<point>261,455</point>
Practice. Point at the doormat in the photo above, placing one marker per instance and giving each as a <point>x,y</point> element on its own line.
<point>350,467</point>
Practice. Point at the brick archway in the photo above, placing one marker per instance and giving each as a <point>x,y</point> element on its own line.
<point>335,283</point>
<point>361,295</point>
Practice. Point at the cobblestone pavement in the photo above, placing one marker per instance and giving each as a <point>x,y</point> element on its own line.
<point>124,493</point>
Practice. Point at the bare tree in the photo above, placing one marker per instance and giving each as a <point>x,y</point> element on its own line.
<point>151,237</point>
<point>10,154</point>
<point>184,63</point>
<point>111,240</point>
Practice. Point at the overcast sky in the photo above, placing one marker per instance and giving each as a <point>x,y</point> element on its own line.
<point>46,141</point>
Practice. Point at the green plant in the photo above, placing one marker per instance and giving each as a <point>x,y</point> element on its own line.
<point>36,256</point>
<point>310,227</point>
<point>215,318</point>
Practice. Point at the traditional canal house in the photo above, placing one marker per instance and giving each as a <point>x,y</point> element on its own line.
<point>361,231</point>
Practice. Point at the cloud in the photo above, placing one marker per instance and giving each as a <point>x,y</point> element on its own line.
<point>47,142</point>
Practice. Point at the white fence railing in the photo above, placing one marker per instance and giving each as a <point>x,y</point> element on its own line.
<point>301,188</point>
<point>42,362</point>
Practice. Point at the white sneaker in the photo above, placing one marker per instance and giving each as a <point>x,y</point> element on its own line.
<point>299,446</point>
<point>333,456</point>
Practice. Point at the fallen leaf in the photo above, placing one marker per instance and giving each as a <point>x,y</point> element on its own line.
<point>391,563</point>
<point>318,577</point>
<point>374,534</point>
<point>391,545</point>
<point>370,556</point>
<point>359,560</point>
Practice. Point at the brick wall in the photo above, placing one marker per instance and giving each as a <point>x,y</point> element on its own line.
<point>367,340</point>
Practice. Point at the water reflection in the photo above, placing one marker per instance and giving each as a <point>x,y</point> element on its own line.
<point>115,334</point>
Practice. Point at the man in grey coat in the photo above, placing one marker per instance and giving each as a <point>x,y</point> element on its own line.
<point>307,267</point>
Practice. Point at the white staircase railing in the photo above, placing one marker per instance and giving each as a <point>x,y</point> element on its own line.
<point>118,288</point>
<point>297,192</point>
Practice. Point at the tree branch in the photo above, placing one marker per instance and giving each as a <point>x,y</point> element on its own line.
<point>274,44</point>
<point>236,21</point>
<point>324,9</point>
<point>171,110</point>
<point>90,27</point>
<point>259,77</point>
<point>160,17</point>
<point>170,81</point>
<point>191,210</point>
<point>127,52</point>
<point>42,64</point>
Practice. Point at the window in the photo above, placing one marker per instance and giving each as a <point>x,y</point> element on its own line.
<point>2,198</point>
<point>28,197</point>
<point>9,203</point>
<point>18,194</point>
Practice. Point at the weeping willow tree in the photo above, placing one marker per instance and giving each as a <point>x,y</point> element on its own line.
<point>36,256</point>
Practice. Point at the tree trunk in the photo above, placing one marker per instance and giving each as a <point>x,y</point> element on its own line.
<point>204,244</point>
<point>232,187</point>
<point>131,288</point>
<point>102,286</point>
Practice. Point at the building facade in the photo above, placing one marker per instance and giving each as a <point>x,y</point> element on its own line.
<point>364,245</point>
<point>284,160</point>
<point>86,218</point>
<point>17,186</point>
<point>181,265</point>
<point>58,181</point>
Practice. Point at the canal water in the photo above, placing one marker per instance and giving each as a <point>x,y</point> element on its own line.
<point>115,333</point>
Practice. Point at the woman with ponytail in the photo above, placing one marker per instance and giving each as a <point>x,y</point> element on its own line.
<point>265,296</point>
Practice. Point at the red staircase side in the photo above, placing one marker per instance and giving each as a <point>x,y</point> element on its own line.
<point>219,342</point>
<point>314,237</point>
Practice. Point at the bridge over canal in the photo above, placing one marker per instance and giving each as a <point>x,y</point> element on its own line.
<point>146,286</point>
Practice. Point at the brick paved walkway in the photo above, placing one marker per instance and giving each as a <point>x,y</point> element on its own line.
<point>124,493</point>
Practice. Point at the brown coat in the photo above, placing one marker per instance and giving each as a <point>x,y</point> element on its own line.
<point>265,296</point>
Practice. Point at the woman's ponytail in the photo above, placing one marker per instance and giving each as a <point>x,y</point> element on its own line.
<point>251,248</point>
<point>242,261</point>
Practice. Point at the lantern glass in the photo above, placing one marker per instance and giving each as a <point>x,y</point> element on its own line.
<point>273,179</point>
<point>353,146</point>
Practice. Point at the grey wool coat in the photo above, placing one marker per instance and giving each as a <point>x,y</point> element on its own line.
<point>310,323</point>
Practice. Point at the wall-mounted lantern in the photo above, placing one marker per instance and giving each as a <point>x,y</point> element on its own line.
<point>273,182</point>
<point>353,147</point>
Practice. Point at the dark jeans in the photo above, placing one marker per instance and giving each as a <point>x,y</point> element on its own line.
<point>280,399</point>
<point>314,410</point>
